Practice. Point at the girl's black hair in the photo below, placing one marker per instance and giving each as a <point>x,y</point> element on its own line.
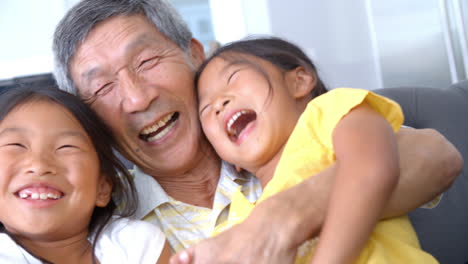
<point>281,53</point>
<point>123,189</point>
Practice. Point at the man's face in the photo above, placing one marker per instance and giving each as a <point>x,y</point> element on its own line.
<point>141,84</point>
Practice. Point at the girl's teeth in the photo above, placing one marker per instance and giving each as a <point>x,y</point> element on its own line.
<point>233,119</point>
<point>39,196</point>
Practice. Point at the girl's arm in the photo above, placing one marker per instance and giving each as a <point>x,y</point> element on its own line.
<point>281,223</point>
<point>367,173</point>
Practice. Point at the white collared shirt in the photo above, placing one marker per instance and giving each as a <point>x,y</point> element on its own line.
<point>184,224</point>
<point>115,244</point>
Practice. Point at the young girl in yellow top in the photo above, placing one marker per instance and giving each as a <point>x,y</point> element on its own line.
<point>264,109</point>
<point>59,186</point>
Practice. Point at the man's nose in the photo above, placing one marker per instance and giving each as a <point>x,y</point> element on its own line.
<point>40,164</point>
<point>136,95</point>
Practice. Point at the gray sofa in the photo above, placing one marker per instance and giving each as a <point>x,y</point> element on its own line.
<point>443,231</point>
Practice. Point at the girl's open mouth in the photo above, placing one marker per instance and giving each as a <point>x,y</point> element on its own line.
<point>238,122</point>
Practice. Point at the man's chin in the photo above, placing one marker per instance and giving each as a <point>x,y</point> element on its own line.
<point>168,161</point>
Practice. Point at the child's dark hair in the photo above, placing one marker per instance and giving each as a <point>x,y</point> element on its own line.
<point>123,189</point>
<point>277,51</point>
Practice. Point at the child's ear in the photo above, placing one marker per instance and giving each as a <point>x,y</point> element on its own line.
<point>302,82</point>
<point>104,192</point>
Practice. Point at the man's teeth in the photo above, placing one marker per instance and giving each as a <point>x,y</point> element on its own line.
<point>233,119</point>
<point>155,127</point>
<point>39,196</point>
<point>161,134</point>
<point>160,129</point>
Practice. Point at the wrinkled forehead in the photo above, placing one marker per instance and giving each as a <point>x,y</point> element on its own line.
<point>113,40</point>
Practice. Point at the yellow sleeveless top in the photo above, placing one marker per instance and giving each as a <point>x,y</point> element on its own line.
<point>309,150</point>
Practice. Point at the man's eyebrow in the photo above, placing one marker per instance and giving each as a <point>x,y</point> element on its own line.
<point>141,40</point>
<point>90,74</point>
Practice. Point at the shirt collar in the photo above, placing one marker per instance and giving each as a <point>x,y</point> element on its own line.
<point>228,171</point>
<point>151,195</point>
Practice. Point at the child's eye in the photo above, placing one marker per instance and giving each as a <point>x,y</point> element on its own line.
<point>66,147</point>
<point>203,109</point>
<point>16,145</point>
<point>232,75</point>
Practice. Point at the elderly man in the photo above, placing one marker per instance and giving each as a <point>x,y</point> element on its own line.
<point>134,62</point>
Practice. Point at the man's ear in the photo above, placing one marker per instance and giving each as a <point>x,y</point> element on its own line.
<point>196,52</point>
<point>301,81</point>
<point>104,191</point>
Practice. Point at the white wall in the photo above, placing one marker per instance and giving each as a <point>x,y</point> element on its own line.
<point>26,29</point>
<point>335,33</point>
<point>235,19</point>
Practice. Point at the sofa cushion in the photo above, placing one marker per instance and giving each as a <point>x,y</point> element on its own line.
<point>443,231</point>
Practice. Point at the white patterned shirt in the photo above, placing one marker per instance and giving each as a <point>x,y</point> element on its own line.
<point>183,224</point>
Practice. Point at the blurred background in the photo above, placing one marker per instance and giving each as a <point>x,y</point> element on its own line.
<point>361,43</point>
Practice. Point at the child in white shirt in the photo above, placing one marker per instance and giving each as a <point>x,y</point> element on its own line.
<point>59,185</point>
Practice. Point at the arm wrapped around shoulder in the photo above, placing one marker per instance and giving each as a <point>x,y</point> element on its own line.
<point>429,164</point>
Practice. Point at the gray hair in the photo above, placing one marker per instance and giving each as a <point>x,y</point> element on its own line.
<point>81,19</point>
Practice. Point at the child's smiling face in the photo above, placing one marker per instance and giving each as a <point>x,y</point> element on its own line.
<point>50,178</point>
<point>247,109</point>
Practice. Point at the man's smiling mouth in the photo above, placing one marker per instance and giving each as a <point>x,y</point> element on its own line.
<point>160,129</point>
